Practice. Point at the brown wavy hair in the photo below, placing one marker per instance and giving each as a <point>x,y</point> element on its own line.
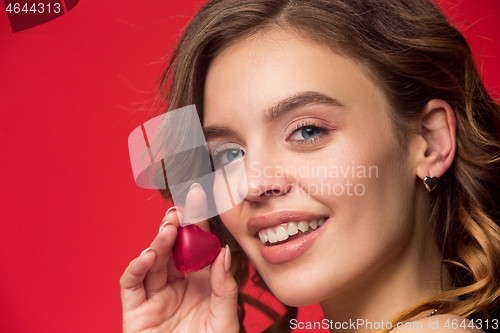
<point>415,55</point>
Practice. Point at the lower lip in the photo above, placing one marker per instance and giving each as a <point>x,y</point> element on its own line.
<point>288,251</point>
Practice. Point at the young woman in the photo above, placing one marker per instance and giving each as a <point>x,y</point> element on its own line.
<point>395,216</point>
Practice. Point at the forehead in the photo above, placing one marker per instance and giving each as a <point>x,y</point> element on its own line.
<point>253,74</point>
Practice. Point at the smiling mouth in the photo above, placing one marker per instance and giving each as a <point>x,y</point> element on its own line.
<point>289,231</point>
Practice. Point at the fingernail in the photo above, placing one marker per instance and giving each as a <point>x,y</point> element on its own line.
<point>145,251</point>
<point>195,185</point>
<point>168,211</point>
<point>179,214</point>
<point>227,260</point>
<point>164,224</point>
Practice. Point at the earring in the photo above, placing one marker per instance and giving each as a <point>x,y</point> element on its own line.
<point>430,183</point>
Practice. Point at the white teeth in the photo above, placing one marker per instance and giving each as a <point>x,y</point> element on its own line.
<point>303,226</point>
<point>285,230</point>
<point>292,229</point>
<point>281,233</point>
<point>262,236</point>
<point>271,236</point>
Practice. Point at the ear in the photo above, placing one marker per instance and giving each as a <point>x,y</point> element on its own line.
<point>438,130</point>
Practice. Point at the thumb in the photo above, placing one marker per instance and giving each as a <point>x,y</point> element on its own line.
<point>224,298</point>
<point>196,210</point>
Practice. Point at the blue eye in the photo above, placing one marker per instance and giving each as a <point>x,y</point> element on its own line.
<point>310,132</point>
<point>306,133</point>
<point>222,157</point>
<point>232,154</point>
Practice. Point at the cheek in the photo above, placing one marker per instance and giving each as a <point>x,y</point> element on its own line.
<point>369,190</point>
<point>229,191</point>
<point>377,217</point>
<point>366,164</point>
<point>230,187</point>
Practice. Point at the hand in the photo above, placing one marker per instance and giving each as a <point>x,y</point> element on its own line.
<point>156,297</point>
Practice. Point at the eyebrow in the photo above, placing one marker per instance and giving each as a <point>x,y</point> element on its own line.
<point>213,132</point>
<point>298,101</point>
<point>284,106</point>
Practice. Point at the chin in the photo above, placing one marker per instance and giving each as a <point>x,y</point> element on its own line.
<point>303,296</point>
<point>299,301</point>
<point>301,285</point>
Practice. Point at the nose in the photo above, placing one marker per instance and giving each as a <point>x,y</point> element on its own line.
<point>264,180</point>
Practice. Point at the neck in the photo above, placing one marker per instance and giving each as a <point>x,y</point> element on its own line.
<point>408,276</point>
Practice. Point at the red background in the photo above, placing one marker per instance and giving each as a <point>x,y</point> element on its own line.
<point>72,218</point>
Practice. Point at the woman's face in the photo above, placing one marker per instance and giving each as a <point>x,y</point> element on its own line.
<point>317,143</point>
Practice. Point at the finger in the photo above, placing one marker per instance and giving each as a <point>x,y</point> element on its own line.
<point>196,210</point>
<point>156,278</point>
<point>224,298</point>
<point>174,216</point>
<point>132,289</point>
<point>172,272</point>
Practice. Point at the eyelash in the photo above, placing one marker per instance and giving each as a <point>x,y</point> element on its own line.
<point>323,131</point>
<point>308,124</point>
<point>221,149</point>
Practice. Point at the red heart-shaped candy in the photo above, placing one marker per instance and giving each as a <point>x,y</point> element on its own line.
<point>194,249</point>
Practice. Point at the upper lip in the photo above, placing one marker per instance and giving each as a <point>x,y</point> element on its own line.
<point>256,223</point>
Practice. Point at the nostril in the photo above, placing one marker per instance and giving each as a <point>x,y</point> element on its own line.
<point>271,192</point>
<point>277,189</point>
<point>260,189</point>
